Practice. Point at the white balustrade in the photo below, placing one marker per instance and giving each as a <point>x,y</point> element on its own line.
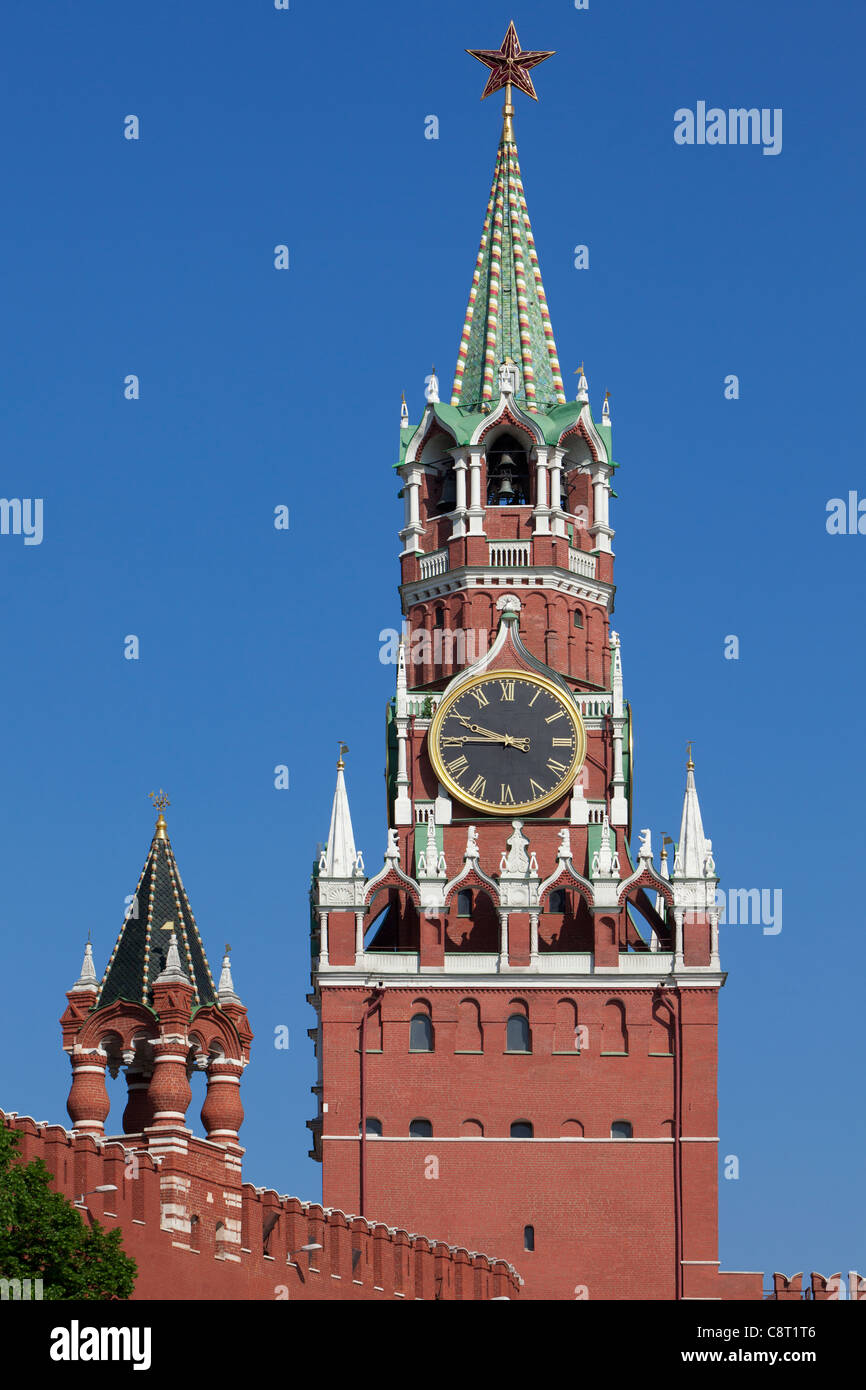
<point>581,563</point>
<point>430,566</point>
<point>510,554</point>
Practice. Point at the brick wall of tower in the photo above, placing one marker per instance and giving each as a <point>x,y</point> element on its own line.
<point>178,1259</point>
<point>547,627</point>
<point>602,1209</point>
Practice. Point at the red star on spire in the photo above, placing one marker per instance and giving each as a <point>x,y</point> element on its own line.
<point>509,64</point>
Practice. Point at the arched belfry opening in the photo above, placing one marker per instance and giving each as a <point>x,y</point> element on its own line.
<point>507,473</point>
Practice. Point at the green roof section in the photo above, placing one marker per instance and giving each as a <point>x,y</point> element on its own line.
<point>462,424</point>
<point>159,909</point>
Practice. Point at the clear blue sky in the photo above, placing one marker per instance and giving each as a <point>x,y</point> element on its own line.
<point>258,388</point>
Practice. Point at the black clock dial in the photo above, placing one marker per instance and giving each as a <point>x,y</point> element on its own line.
<point>507,742</point>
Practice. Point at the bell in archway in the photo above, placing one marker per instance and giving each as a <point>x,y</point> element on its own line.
<point>506,487</point>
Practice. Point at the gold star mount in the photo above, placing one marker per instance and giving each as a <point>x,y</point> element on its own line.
<point>509,65</point>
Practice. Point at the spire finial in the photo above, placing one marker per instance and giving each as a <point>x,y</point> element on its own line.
<point>344,748</point>
<point>582,385</point>
<point>160,801</point>
<point>690,766</point>
<point>509,67</point>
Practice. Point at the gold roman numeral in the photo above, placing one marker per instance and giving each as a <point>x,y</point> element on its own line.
<point>558,715</point>
<point>480,697</point>
<point>535,697</point>
<point>539,791</point>
<point>561,743</point>
<point>505,797</point>
<point>477,788</point>
<point>455,742</point>
<point>555,766</point>
<point>457,766</point>
<point>507,688</point>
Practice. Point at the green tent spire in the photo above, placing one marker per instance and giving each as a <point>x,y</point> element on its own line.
<point>507,315</point>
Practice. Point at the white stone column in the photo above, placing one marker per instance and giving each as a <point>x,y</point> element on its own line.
<point>600,529</point>
<point>476,507</point>
<point>323,939</point>
<point>678,938</point>
<point>715,962</point>
<point>458,525</point>
<point>359,937</point>
<point>533,938</point>
<point>541,514</point>
<point>503,940</point>
<point>618,803</point>
<point>557,521</point>
<point>412,507</point>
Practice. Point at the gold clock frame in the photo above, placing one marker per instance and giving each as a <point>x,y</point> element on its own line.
<point>459,794</point>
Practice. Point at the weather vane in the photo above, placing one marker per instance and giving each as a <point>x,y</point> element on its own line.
<point>689,748</point>
<point>344,748</point>
<point>160,800</point>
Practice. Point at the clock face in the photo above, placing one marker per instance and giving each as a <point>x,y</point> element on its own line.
<point>507,742</point>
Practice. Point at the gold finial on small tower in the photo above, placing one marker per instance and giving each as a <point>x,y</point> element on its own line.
<point>344,748</point>
<point>690,766</point>
<point>160,801</point>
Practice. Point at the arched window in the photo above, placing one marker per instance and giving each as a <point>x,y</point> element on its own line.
<point>566,1037</point>
<point>374,1127</point>
<point>517,1035</point>
<point>464,902</point>
<point>507,473</point>
<point>621,1129</point>
<point>529,1237</point>
<point>556,902</point>
<point>614,1034</point>
<point>521,1129</point>
<point>439,616</point>
<point>571,1129</point>
<point>578,618</point>
<point>420,1033</point>
<point>469,1038</point>
<point>661,1033</point>
<point>420,1129</point>
<point>374,1030</point>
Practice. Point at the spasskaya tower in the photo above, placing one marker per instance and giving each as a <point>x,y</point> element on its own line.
<point>516,1034</point>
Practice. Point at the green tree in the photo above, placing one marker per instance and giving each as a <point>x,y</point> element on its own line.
<point>43,1236</point>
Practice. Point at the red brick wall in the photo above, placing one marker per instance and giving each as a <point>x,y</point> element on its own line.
<point>176,1265</point>
<point>602,1209</point>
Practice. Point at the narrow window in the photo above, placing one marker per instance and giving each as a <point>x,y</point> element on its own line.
<point>529,1237</point>
<point>464,902</point>
<point>621,1129</point>
<point>420,1033</point>
<point>439,619</point>
<point>517,1035</point>
<point>521,1129</point>
<point>557,900</point>
<point>420,1129</point>
<point>578,618</point>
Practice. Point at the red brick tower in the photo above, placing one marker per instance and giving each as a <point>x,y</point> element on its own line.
<point>157,1015</point>
<point>523,1013</point>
